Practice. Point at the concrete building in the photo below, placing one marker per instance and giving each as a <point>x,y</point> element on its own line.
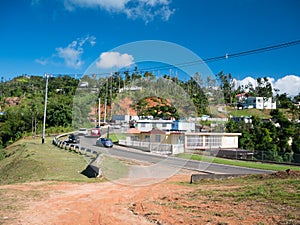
<point>197,142</point>
<point>175,142</point>
<point>148,125</point>
<point>166,125</point>
<point>155,141</point>
<point>185,126</point>
<point>261,103</point>
<point>255,102</point>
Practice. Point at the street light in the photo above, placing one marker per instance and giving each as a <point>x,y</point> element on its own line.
<point>45,108</point>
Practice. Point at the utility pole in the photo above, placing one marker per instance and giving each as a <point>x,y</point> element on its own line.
<point>105,103</point>
<point>99,112</point>
<point>45,108</point>
<point>104,120</point>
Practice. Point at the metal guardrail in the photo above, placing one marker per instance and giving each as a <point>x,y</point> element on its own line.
<point>90,153</point>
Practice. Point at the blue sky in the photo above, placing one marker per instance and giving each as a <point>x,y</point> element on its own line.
<point>66,36</point>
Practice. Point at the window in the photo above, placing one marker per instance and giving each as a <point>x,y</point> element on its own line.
<point>157,138</point>
<point>143,125</point>
<point>134,138</point>
<point>214,141</point>
<point>147,138</point>
<point>195,141</point>
<point>164,125</point>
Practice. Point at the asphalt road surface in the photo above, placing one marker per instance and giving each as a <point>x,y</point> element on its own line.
<point>171,162</point>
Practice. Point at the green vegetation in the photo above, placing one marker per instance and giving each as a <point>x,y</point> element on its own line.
<point>270,189</point>
<point>22,102</point>
<point>277,190</point>
<point>271,141</point>
<point>274,189</point>
<point>29,160</point>
<point>262,114</point>
<point>113,169</point>
<point>274,194</point>
<point>255,165</point>
<point>156,107</point>
<point>273,134</point>
<point>115,137</point>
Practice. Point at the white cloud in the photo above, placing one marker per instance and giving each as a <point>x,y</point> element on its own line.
<point>109,5</point>
<point>109,60</point>
<point>42,61</point>
<point>245,82</point>
<point>133,9</point>
<point>71,54</point>
<point>290,84</point>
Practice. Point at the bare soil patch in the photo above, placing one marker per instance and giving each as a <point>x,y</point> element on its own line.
<point>168,202</point>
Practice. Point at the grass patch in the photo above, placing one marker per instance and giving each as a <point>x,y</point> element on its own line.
<point>251,112</point>
<point>271,195</point>
<point>255,188</point>
<point>115,137</point>
<point>255,165</point>
<point>29,160</point>
<point>113,169</point>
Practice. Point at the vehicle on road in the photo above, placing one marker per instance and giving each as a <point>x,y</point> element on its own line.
<point>95,132</point>
<point>104,142</point>
<point>82,131</point>
<point>72,139</point>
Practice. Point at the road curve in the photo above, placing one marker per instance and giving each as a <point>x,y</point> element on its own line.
<point>170,161</point>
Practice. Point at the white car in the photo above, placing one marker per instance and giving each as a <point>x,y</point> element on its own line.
<point>82,131</point>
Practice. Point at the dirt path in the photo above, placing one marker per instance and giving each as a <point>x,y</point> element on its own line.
<point>95,203</point>
<point>167,202</point>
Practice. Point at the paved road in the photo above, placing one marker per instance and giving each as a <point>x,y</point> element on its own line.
<point>127,153</point>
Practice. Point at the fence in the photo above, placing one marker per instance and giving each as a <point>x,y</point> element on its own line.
<point>263,156</point>
<point>278,157</point>
<point>164,149</point>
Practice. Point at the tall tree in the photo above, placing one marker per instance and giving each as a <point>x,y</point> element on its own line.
<point>227,85</point>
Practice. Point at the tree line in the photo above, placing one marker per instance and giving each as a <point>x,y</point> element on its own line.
<point>277,136</point>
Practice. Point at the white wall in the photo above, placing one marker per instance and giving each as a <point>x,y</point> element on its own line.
<point>148,125</point>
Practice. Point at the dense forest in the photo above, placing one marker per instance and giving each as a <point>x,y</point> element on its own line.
<point>69,101</point>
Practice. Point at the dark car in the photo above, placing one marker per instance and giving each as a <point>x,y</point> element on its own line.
<point>72,139</point>
<point>104,142</point>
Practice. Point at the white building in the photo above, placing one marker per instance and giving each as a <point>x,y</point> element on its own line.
<point>124,118</point>
<point>259,103</point>
<point>184,126</point>
<point>148,125</point>
<point>165,125</point>
<point>175,142</point>
<point>131,88</point>
<point>196,142</point>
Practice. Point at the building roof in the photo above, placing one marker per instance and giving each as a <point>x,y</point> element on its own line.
<point>157,131</point>
<point>133,131</point>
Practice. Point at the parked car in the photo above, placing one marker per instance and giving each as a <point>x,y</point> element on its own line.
<point>82,131</point>
<point>72,139</point>
<point>104,142</point>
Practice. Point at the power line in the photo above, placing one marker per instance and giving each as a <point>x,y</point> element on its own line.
<point>212,59</point>
<point>239,54</point>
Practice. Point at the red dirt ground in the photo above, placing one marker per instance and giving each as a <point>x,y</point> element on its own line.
<point>111,203</point>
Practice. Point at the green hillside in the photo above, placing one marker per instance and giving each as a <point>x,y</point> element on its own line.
<point>29,160</point>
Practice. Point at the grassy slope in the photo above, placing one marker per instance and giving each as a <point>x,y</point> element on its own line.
<point>250,112</point>
<point>256,165</point>
<point>275,195</point>
<point>29,160</point>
